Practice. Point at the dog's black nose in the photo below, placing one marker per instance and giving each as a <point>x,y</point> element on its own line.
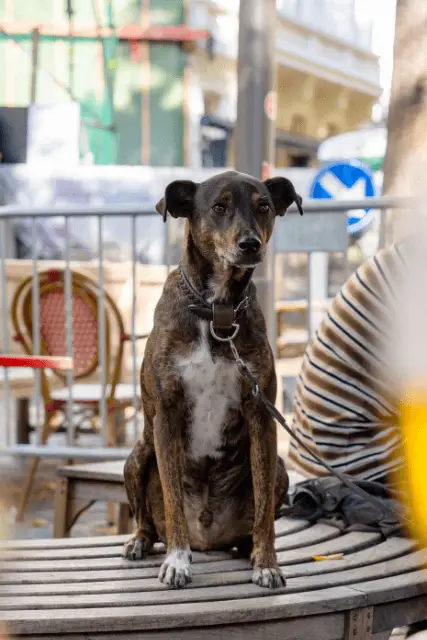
<point>250,244</point>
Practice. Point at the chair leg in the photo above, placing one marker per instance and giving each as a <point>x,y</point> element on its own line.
<point>112,442</point>
<point>125,520</point>
<point>120,426</point>
<point>27,489</point>
<point>33,469</point>
<point>61,511</point>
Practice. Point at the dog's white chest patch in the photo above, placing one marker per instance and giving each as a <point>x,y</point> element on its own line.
<point>212,388</point>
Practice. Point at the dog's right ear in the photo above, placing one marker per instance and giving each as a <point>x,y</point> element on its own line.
<point>178,199</point>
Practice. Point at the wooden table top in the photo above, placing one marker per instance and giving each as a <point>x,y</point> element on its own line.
<point>36,362</point>
<point>110,471</point>
<point>83,586</point>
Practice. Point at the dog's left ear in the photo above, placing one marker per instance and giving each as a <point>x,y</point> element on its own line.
<point>283,194</point>
<point>178,199</point>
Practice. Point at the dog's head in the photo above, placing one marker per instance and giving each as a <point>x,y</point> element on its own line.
<point>231,216</point>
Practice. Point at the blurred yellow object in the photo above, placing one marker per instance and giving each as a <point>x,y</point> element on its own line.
<point>334,556</point>
<point>413,422</point>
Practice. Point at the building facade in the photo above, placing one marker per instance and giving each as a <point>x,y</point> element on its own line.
<point>156,79</point>
<point>327,75</point>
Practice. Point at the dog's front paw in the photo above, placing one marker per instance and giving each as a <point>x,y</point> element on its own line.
<point>134,549</point>
<point>271,578</point>
<point>175,572</point>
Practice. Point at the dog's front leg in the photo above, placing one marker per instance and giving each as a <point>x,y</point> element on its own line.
<point>168,441</point>
<point>263,453</point>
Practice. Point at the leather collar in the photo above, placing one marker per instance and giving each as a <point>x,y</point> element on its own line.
<point>222,316</point>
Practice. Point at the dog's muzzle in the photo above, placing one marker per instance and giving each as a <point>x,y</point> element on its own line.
<point>250,244</point>
<point>249,251</point>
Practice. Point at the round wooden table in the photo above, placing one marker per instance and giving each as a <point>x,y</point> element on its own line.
<point>56,588</point>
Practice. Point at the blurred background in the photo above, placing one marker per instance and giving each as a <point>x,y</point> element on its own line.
<point>98,97</point>
<point>105,101</point>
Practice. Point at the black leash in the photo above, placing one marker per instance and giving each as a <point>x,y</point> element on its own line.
<point>257,393</point>
<point>224,317</point>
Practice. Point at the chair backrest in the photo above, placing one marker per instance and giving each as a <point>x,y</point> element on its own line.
<point>85,335</point>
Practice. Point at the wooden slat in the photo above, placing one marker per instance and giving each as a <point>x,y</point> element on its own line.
<point>349,574</point>
<point>328,626</point>
<point>297,306</point>
<point>211,587</point>
<point>210,613</point>
<point>283,527</point>
<point>348,543</point>
<point>182,615</point>
<point>107,471</point>
<point>386,551</point>
<point>313,535</point>
<point>406,585</point>
<point>88,563</point>
<point>63,543</point>
<point>98,552</point>
<point>99,490</point>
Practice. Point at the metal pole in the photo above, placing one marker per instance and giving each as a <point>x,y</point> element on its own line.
<point>133,329</point>
<point>101,336</point>
<point>36,326</point>
<point>69,328</point>
<point>70,14</point>
<point>5,327</point>
<point>34,64</point>
<point>255,128</point>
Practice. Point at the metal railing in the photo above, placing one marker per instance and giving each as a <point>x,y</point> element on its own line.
<point>301,233</point>
<point>8,215</point>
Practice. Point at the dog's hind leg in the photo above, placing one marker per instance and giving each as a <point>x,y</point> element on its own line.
<point>136,474</point>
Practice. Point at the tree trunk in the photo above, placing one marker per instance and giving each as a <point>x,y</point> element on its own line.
<point>406,156</point>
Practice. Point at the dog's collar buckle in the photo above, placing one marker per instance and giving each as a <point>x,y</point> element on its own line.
<point>234,326</point>
<point>222,316</point>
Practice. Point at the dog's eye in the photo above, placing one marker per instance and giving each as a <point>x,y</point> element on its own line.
<point>218,208</point>
<point>264,208</point>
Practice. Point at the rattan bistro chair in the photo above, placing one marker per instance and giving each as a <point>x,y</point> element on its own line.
<point>85,340</point>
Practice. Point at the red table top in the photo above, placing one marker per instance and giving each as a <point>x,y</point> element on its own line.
<point>36,362</point>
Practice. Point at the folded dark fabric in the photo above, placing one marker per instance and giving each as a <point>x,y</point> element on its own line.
<point>328,500</point>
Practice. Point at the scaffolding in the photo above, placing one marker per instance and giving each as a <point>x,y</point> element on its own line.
<point>108,35</point>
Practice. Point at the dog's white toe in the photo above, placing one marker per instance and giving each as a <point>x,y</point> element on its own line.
<point>134,549</point>
<point>269,578</point>
<point>175,572</point>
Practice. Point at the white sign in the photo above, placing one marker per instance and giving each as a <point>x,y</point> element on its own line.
<point>53,135</point>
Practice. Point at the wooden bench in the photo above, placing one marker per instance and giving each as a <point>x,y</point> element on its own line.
<point>82,588</point>
<point>80,485</point>
<point>292,340</point>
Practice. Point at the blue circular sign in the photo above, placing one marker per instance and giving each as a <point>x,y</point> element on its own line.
<point>349,180</point>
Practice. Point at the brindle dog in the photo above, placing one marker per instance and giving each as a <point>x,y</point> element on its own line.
<point>206,474</point>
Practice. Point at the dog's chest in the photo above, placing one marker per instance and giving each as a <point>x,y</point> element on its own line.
<point>212,387</point>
